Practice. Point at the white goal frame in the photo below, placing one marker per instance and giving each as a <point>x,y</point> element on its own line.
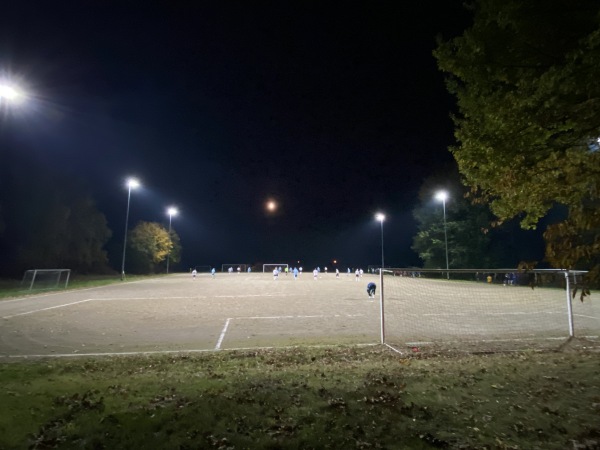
<point>225,267</point>
<point>273,266</point>
<point>34,273</point>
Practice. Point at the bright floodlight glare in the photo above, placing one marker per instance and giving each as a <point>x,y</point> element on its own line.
<point>172,211</point>
<point>271,205</point>
<point>441,196</point>
<point>380,217</point>
<point>9,92</point>
<point>133,183</point>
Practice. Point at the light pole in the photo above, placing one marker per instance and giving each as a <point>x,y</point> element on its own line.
<point>381,217</point>
<point>442,196</point>
<point>132,183</point>
<point>172,211</point>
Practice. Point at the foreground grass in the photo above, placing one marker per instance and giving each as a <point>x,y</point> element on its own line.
<point>10,288</point>
<point>303,398</point>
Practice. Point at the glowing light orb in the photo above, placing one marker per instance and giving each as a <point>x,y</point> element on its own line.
<point>271,205</point>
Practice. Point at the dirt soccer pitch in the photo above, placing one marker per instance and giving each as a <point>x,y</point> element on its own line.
<point>181,313</point>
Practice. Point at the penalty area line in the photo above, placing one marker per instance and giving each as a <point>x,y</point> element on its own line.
<point>222,336</point>
<point>228,321</point>
<point>46,309</point>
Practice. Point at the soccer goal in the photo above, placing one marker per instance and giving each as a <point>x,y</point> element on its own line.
<point>201,269</point>
<point>483,310</point>
<point>234,267</point>
<point>46,278</point>
<point>270,267</point>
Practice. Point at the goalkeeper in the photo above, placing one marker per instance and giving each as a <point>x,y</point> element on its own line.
<point>371,289</point>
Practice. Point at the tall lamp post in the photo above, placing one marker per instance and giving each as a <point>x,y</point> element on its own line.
<point>443,196</point>
<point>381,217</point>
<point>132,183</point>
<point>172,211</point>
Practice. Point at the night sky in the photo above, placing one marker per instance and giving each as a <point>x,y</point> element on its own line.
<point>336,110</point>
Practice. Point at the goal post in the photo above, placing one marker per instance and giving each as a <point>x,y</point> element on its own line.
<point>270,267</point>
<point>46,278</point>
<point>483,310</point>
<point>201,269</point>
<point>234,268</point>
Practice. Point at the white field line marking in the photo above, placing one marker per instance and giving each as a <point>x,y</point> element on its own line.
<point>298,317</point>
<point>46,309</point>
<point>228,321</point>
<point>516,313</point>
<point>411,344</point>
<point>67,291</point>
<point>105,299</point>
<point>170,352</point>
<point>222,336</point>
<point>583,315</point>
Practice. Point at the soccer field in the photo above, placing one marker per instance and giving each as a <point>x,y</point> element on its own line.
<point>181,313</point>
<point>234,311</point>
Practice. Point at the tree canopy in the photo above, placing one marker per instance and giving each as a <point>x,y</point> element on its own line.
<point>149,244</point>
<point>525,76</point>
<point>53,223</point>
<point>472,241</point>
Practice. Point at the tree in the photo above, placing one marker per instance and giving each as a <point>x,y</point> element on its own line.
<point>470,240</point>
<point>525,76</point>
<point>69,233</point>
<point>175,255</point>
<point>149,244</point>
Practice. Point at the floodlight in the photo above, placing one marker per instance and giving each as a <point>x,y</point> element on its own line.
<point>10,93</point>
<point>380,217</point>
<point>133,183</point>
<point>442,196</point>
<point>172,211</point>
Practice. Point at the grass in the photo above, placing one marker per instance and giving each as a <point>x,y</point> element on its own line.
<point>10,288</point>
<point>338,397</point>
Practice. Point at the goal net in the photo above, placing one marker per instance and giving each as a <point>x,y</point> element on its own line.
<point>234,268</point>
<point>270,267</point>
<point>201,269</point>
<point>46,278</point>
<point>489,310</point>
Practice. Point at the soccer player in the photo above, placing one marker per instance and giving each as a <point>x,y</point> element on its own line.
<point>194,272</point>
<point>371,289</point>
<point>239,270</point>
<point>295,273</point>
<point>315,274</point>
<point>213,272</point>
<point>275,273</point>
<point>337,273</point>
<point>357,273</point>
